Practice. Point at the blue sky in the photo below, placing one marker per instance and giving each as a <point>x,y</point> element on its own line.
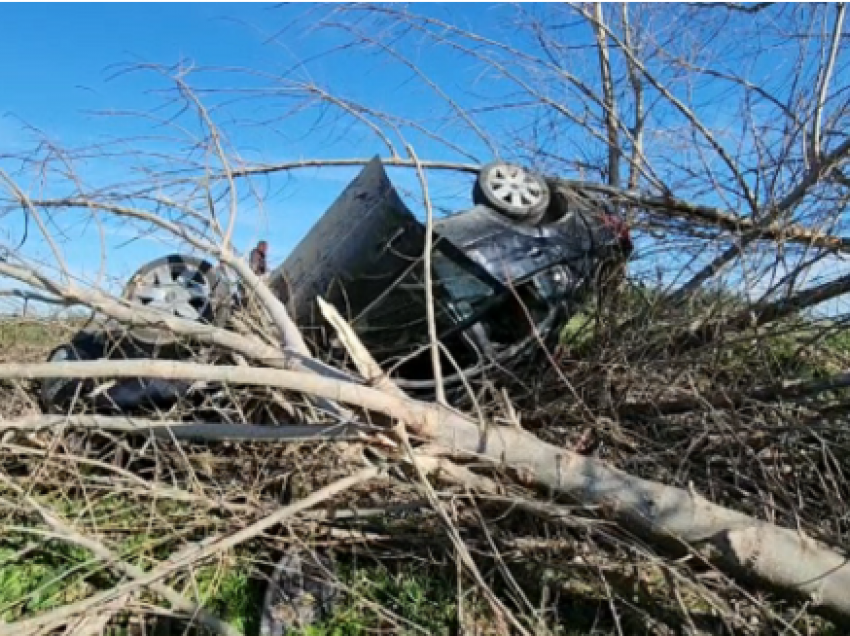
<point>59,75</point>
<point>62,75</point>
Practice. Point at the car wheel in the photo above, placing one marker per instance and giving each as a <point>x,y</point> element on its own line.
<point>58,392</point>
<point>181,286</point>
<point>512,191</point>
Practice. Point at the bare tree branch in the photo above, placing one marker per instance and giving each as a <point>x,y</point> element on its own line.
<point>429,284</point>
<point>637,89</point>
<point>824,81</point>
<point>687,112</point>
<point>608,97</point>
<point>814,175</point>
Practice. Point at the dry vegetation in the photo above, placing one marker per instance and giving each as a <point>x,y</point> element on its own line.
<point>677,465</point>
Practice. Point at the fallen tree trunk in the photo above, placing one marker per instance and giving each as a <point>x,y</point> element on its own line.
<point>782,558</point>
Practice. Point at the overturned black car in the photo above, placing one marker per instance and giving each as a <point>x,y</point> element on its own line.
<point>507,273</point>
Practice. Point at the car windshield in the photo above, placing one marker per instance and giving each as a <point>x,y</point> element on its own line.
<point>458,291</point>
<point>465,290</point>
<point>395,322</point>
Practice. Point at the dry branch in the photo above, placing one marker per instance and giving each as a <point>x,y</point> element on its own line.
<point>308,383</point>
<point>782,558</point>
<point>608,97</point>
<point>790,305</point>
<point>429,286</point>
<point>325,163</point>
<point>637,90</point>
<point>131,315</point>
<point>198,431</point>
<point>665,205</point>
<point>672,207</point>
<point>32,296</point>
<point>363,360</point>
<point>825,77</point>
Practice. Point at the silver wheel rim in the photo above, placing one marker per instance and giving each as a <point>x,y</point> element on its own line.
<point>514,187</point>
<point>173,288</point>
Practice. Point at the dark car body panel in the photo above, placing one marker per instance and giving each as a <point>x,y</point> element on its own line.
<point>514,253</point>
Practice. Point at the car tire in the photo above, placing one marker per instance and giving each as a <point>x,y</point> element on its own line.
<point>207,301</point>
<point>512,191</point>
<point>57,393</point>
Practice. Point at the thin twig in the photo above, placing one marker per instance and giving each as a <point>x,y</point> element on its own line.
<point>825,78</point>
<point>429,283</point>
<point>453,533</point>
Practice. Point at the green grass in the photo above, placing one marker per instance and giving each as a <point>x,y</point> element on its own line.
<point>39,573</point>
<point>229,592</point>
<point>578,334</point>
<point>59,575</point>
<point>55,574</point>
<point>52,575</point>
